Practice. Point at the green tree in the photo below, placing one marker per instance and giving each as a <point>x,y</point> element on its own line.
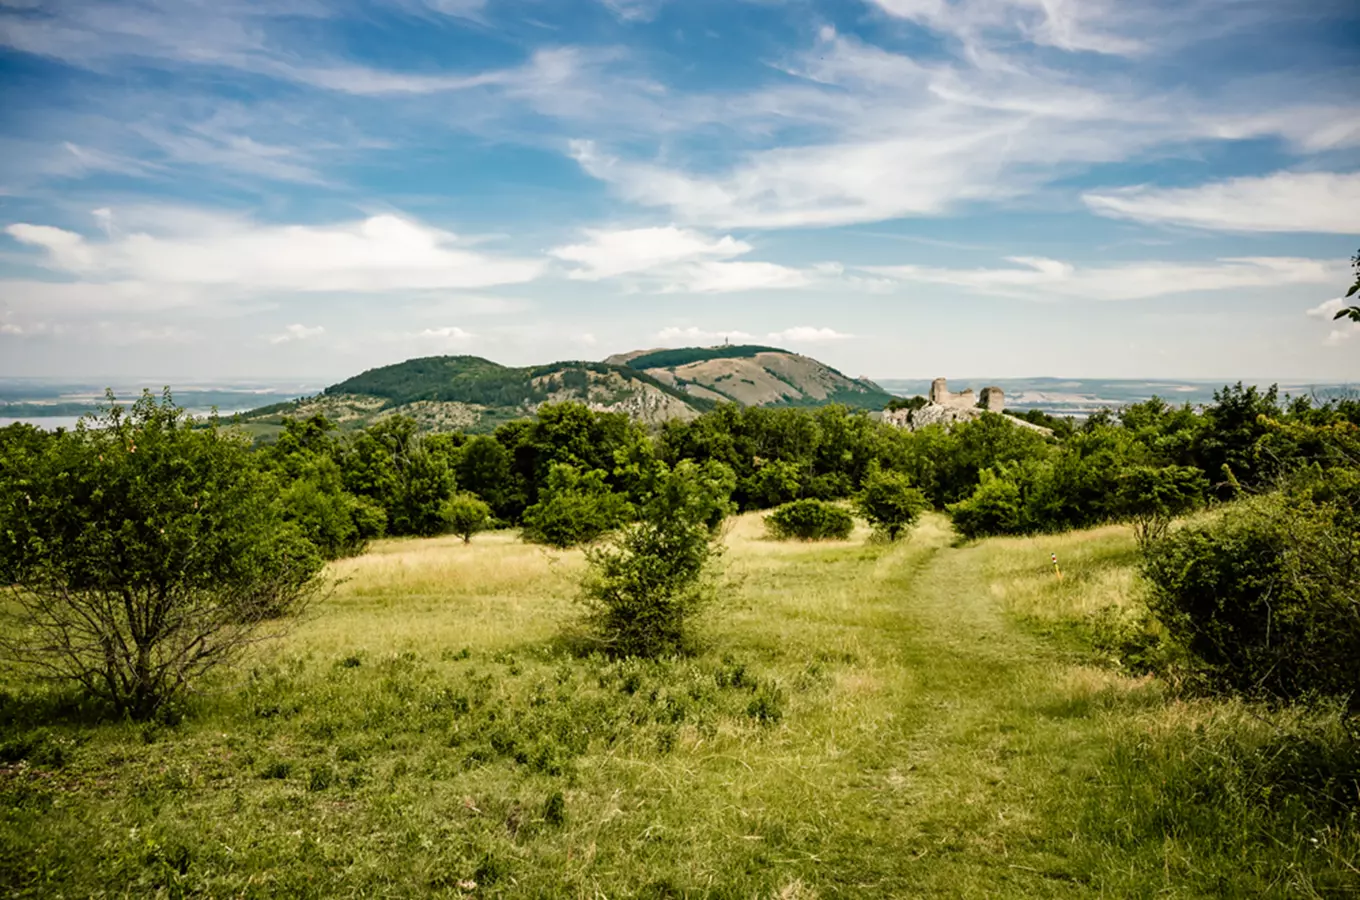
<point>484,467</point>
<point>1149,497</point>
<point>144,550</point>
<point>889,502</point>
<point>1352,312</point>
<point>644,586</point>
<point>466,515</point>
<point>574,508</point>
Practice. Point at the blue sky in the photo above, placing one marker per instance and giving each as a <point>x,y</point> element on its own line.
<point>902,188</point>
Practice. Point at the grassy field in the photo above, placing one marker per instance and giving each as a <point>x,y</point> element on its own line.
<point>867,720</point>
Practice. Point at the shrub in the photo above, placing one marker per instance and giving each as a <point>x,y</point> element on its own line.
<point>337,522</point>
<point>810,520</point>
<point>1266,597</point>
<point>994,508</point>
<point>644,586</point>
<point>574,508</point>
<point>144,550</point>
<point>889,502</point>
<point>466,515</point>
<point>1150,497</point>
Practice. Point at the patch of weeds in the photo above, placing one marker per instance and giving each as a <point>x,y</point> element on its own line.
<point>351,661</point>
<point>321,777</point>
<point>767,706</point>
<point>38,748</point>
<point>278,769</point>
<point>555,810</point>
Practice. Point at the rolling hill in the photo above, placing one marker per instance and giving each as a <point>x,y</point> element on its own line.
<point>752,375</point>
<point>469,393</point>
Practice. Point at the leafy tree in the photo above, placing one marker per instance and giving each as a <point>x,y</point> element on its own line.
<point>645,585</point>
<point>774,483</point>
<point>144,550</point>
<point>1352,312</point>
<point>484,468</point>
<point>337,522</point>
<point>1226,447</point>
<point>890,503</point>
<point>467,514</point>
<point>408,476</point>
<point>574,508</point>
<point>810,520</point>
<point>1149,497</point>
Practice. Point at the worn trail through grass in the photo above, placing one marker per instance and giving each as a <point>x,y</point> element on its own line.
<point>866,720</point>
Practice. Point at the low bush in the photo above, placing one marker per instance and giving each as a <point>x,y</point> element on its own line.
<point>810,520</point>
<point>645,586</point>
<point>1266,596</point>
<point>890,503</point>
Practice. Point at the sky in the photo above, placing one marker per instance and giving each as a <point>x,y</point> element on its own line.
<point>208,189</point>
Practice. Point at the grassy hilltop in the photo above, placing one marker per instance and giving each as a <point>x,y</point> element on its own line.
<point>469,393</point>
<point>868,720</point>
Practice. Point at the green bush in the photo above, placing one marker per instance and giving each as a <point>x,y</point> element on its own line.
<point>467,514</point>
<point>890,503</point>
<point>810,520</point>
<point>644,587</point>
<point>574,508</point>
<point>994,508</point>
<point>147,549</point>
<point>1266,596</point>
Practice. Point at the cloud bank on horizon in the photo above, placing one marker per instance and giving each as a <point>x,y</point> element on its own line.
<point>899,187</point>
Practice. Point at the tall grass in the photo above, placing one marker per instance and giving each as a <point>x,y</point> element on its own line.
<point>864,719</point>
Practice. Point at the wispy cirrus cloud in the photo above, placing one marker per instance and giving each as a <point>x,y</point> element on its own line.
<point>377,254</point>
<point>1037,278</point>
<point>1283,201</point>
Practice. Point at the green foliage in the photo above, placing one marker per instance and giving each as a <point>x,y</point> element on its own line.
<point>909,403</point>
<point>1151,496</point>
<point>645,586</point>
<point>1351,312</point>
<point>574,508</point>
<point>889,503</point>
<point>408,476</point>
<point>1266,596</point>
<point>669,359</point>
<point>995,507</point>
<point>484,468</point>
<point>144,550</point>
<point>810,520</point>
<point>466,514</point>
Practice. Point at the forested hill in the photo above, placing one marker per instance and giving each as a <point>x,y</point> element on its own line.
<point>753,375</point>
<point>474,394</point>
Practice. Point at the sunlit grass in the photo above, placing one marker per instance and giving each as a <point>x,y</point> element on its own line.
<point>864,719</point>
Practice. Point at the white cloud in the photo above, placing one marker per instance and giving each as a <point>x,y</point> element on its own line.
<point>609,253</point>
<point>1066,24</point>
<point>1284,201</point>
<point>451,333</point>
<point>1342,331</point>
<point>695,335</point>
<point>297,332</point>
<point>728,277</point>
<point>806,334</point>
<point>379,254</point>
<point>1039,278</point>
<point>634,10</point>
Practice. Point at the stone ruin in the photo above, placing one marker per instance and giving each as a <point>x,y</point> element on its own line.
<point>947,408</point>
<point>993,398</point>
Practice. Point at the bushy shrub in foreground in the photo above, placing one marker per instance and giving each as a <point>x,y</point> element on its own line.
<point>810,520</point>
<point>1267,597</point>
<point>646,584</point>
<point>144,550</point>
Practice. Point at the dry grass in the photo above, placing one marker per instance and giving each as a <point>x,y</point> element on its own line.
<point>865,720</point>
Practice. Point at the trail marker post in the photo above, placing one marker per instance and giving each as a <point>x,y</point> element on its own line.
<point>1056,571</point>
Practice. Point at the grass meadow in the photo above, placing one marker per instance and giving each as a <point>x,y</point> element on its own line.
<point>865,720</point>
